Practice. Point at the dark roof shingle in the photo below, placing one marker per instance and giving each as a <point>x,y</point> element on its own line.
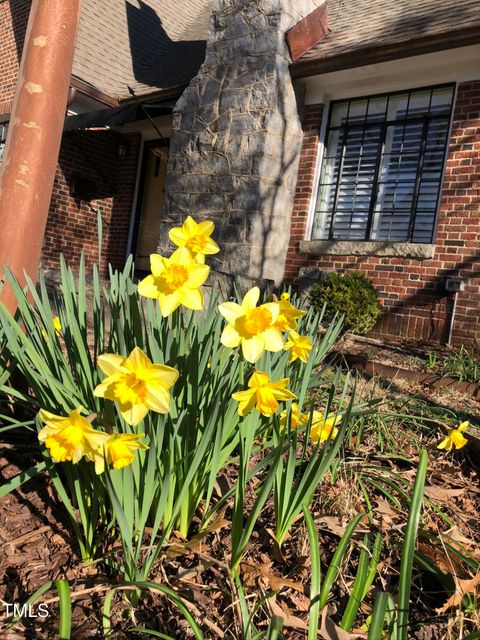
<point>146,44</point>
<point>358,25</point>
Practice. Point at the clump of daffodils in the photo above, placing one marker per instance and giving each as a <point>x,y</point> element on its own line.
<point>137,385</point>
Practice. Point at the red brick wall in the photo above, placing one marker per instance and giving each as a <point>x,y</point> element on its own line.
<point>409,288</point>
<point>13,24</point>
<point>72,222</point>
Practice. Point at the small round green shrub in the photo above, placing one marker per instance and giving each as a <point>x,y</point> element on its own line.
<point>350,294</point>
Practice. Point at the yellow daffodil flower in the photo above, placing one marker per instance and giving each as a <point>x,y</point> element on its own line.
<point>57,325</point>
<point>69,438</point>
<point>323,428</point>
<point>251,326</point>
<point>318,430</point>
<point>119,450</point>
<point>136,384</point>
<point>175,281</point>
<point>262,394</point>
<point>195,236</point>
<point>296,420</point>
<point>299,346</point>
<point>287,318</point>
<point>454,438</point>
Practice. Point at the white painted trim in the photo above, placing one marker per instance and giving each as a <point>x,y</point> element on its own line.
<point>452,65</point>
<point>447,153</point>
<point>135,199</point>
<point>318,168</point>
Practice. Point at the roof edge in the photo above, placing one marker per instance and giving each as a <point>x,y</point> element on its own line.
<point>383,53</point>
<point>93,92</point>
<point>156,94</point>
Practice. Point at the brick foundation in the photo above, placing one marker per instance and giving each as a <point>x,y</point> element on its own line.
<point>409,289</point>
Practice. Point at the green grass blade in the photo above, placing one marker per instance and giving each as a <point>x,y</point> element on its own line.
<point>377,622</point>
<point>408,550</point>
<point>247,623</point>
<point>150,632</point>
<point>23,477</point>
<point>315,573</point>
<point>335,563</point>
<point>355,599</point>
<point>65,626</point>
<point>274,628</point>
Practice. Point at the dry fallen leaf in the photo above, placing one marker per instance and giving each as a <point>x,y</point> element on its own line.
<point>329,630</point>
<point>386,511</point>
<point>293,622</point>
<point>448,563</point>
<point>461,588</point>
<point>457,540</point>
<point>252,572</point>
<point>333,524</point>
<point>442,494</point>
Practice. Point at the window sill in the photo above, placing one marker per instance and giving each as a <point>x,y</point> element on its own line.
<point>358,248</point>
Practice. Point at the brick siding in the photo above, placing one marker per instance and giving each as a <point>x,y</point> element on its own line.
<point>72,222</point>
<point>13,24</point>
<point>409,289</point>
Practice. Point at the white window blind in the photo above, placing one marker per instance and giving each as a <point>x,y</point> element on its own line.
<point>382,168</point>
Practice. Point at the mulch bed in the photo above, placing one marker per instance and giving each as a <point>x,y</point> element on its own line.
<point>34,534</point>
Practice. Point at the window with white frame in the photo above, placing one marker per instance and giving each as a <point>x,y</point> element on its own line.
<point>382,167</point>
<point>3,137</point>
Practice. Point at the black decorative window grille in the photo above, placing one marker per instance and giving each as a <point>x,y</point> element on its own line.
<point>3,137</point>
<point>382,167</point>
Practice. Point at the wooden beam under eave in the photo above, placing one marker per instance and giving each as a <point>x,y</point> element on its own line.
<point>308,32</point>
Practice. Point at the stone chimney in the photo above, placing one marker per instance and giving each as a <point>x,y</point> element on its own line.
<point>237,136</point>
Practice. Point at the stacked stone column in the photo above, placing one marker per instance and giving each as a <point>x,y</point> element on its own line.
<point>237,137</point>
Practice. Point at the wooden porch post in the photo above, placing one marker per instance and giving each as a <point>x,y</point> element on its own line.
<point>31,153</point>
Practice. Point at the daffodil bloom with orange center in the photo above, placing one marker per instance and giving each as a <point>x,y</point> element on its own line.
<point>136,384</point>
<point>299,347</point>
<point>251,327</point>
<point>288,316</point>
<point>195,236</point>
<point>119,451</point>
<point>455,438</point>
<point>323,427</point>
<point>263,395</point>
<point>69,438</point>
<point>174,281</point>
